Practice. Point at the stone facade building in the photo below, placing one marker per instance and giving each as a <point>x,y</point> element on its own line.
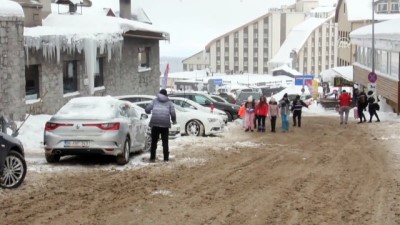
<point>12,78</point>
<point>45,65</point>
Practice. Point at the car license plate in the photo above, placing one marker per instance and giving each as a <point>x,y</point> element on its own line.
<point>76,143</point>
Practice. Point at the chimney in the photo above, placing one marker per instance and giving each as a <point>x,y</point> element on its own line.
<point>125,9</point>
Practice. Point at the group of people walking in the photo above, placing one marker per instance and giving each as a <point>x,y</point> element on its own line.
<point>362,101</point>
<point>254,113</point>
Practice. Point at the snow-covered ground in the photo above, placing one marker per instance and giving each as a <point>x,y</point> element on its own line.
<point>31,135</point>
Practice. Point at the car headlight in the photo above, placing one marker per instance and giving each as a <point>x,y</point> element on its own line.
<point>212,120</point>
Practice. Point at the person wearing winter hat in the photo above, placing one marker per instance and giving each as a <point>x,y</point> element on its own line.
<point>284,105</point>
<point>163,111</point>
<point>344,106</point>
<point>297,106</point>
<point>372,106</point>
<point>250,107</point>
<point>261,113</point>
<point>273,112</point>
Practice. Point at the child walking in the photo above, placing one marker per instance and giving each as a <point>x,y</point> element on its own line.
<point>273,112</point>
<point>261,112</point>
<point>250,114</point>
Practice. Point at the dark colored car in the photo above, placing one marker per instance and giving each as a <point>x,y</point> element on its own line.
<point>243,96</point>
<point>12,160</point>
<point>231,110</point>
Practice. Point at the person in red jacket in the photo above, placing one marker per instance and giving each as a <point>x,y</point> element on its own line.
<point>344,106</point>
<point>262,113</point>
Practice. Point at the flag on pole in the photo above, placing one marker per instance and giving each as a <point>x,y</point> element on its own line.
<point>166,77</point>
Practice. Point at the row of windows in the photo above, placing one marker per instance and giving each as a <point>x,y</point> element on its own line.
<point>385,7</point>
<point>385,62</point>
<point>70,74</point>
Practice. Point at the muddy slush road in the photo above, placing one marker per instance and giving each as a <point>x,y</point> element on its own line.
<point>322,173</point>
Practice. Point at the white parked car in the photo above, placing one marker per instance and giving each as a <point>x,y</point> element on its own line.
<point>174,131</point>
<point>135,98</point>
<point>95,125</point>
<point>187,103</point>
<point>194,122</point>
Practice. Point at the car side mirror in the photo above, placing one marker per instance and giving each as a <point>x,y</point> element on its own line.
<point>144,116</point>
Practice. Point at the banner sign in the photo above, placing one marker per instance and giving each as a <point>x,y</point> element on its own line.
<point>305,80</point>
<point>341,82</point>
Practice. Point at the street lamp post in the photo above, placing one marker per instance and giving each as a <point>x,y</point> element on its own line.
<point>373,37</point>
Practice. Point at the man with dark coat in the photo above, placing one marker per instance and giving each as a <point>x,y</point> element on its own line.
<point>361,106</point>
<point>297,106</point>
<point>163,111</point>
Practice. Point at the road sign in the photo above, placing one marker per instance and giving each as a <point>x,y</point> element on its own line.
<point>218,81</point>
<point>372,77</point>
<point>371,87</point>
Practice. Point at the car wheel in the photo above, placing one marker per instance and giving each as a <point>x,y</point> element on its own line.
<point>14,170</point>
<point>194,128</point>
<point>123,158</point>
<point>52,158</point>
<point>230,117</point>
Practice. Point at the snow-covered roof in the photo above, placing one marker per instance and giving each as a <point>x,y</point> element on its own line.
<point>362,10</point>
<point>326,9</point>
<point>68,32</point>
<point>10,8</point>
<point>387,35</point>
<point>286,68</point>
<point>344,71</point>
<point>296,39</point>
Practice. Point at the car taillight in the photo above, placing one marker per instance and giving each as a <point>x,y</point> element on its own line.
<point>104,126</point>
<point>212,107</point>
<point>53,126</point>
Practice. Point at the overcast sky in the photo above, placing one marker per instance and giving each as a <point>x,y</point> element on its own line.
<point>192,24</point>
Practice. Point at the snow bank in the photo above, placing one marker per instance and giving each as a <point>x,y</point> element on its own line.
<point>10,8</point>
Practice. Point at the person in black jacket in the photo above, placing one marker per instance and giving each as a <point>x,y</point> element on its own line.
<point>163,111</point>
<point>297,106</point>
<point>362,104</point>
<point>372,106</point>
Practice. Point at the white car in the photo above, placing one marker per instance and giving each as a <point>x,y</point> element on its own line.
<point>187,103</point>
<point>95,125</point>
<point>174,131</point>
<point>194,122</point>
<point>135,98</point>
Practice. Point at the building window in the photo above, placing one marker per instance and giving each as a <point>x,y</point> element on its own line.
<point>144,58</point>
<point>32,82</point>
<point>98,75</point>
<point>382,7</point>
<point>394,7</point>
<point>70,77</point>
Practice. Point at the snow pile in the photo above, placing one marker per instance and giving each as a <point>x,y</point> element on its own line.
<point>10,8</point>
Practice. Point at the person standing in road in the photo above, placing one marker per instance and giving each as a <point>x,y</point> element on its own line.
<point>297,107</point>
<point>273,112</point>
<point>250,113</point>
<point>163,111</point>
<point>344,106</point>
<point>261,112</point>
<point>361,106</point>
<point>372,106</point>
<point>284,105</point>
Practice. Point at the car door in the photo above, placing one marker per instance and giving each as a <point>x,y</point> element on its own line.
<point>138,133</point>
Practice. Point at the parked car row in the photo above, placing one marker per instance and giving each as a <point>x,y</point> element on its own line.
<point>119,126</point>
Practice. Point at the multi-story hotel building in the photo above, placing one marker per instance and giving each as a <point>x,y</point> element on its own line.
<point>310,47</point>
<point>198,61</point>
<point>248,48</point>
<point>351,15</point>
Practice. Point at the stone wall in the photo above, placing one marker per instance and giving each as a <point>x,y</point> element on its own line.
<point>12,71</point>
<point>121,76</point>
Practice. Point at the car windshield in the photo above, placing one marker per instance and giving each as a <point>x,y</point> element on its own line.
<point>88,108</point>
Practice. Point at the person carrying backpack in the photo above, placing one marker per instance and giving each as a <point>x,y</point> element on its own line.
<point>372,106</point>
<point>361,106</point>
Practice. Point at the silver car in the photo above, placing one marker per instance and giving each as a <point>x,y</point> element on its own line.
<point>95,125</point>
